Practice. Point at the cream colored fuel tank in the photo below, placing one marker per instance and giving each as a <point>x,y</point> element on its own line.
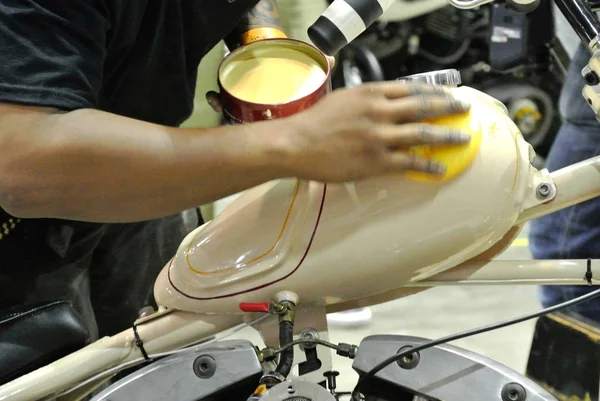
<point>338,242</point>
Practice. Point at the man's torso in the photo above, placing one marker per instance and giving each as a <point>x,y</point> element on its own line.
<point>153,51</point>
<point>153,48</point>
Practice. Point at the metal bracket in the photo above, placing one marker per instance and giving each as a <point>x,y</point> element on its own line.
<point>444,373</point>
<point>542,189</point>
<point>591,91</point>
<point>230,368</point>
<point>297,390</point>
<point>314,319</point>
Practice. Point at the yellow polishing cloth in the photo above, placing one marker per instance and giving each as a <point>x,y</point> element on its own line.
<point>456,158</point>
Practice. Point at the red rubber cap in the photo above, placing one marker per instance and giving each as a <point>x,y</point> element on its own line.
<point>255,307</point>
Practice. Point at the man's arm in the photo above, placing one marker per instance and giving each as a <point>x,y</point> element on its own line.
<point>90,165</point>
<point>82,164</point>
<point>261,22</point>
<point>61,158</point>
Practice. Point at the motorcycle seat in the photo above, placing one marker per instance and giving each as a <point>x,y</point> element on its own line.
<point>32,336</point>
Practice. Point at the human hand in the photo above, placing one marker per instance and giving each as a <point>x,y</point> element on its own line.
<point>366,131</point>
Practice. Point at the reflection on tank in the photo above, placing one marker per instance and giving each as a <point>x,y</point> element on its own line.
<point>371,236</point>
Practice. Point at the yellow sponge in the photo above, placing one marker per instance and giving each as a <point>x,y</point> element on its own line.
<point>456,158</point>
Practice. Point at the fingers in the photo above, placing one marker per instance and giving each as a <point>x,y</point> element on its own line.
<point>406,102</point>
<point>405,136</point>
<point>214,101</point>
<point>400,136</point>
<point>417,108</point>
<point>400,162</point>
<point>397,90</point>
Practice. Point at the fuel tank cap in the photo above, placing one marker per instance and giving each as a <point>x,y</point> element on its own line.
<point>449,77</point>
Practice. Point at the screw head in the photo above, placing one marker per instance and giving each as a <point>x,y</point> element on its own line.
<point>409,361</point>
<point>591,78</point>
<point>205,366</point>
<point>513,392</point>
<point>543,191</point>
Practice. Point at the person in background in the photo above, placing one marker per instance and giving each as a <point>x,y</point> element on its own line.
<point>574,232</point>
<point>95,173</point>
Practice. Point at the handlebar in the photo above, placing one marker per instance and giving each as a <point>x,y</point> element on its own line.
<point>582,19</point>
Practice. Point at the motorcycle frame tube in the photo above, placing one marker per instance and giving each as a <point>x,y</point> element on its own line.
<point>517,272</point>
<point>161,332</point>
<point>575,184</point>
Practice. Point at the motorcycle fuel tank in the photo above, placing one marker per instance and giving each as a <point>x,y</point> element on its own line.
<point>333,243</point>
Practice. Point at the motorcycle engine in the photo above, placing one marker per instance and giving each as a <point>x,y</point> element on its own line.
<point>497,51</point>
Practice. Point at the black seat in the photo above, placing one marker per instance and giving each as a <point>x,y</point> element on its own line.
<point>32,336</point>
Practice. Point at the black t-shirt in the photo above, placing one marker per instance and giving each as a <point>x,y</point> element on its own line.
<point>136,58</point>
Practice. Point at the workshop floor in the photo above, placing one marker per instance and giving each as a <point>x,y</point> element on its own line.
<point>442,311</point>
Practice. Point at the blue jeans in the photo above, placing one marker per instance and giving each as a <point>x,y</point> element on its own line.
<point>572,233</point>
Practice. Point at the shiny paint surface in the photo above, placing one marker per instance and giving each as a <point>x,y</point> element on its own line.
<point>332,244</point>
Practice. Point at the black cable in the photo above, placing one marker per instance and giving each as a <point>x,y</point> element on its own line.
<point>588,272</point>
<point>472,332</point>
<point>449,59</point>
<point>367,59</point>
<point>140,344</point>
<point>286,360</point>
